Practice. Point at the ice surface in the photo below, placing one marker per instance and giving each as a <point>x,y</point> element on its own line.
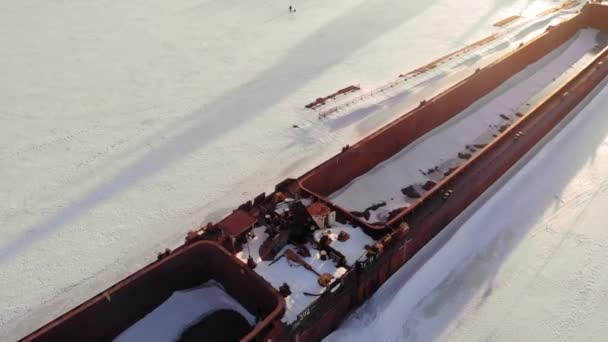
<point>476,125</point>
<point>183,309</point>
<point>528,264</point>
<point>124,124</point>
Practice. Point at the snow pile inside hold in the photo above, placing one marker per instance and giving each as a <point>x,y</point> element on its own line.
<point>183,309</point>
<point>299,279</point>
<point>433,156</point>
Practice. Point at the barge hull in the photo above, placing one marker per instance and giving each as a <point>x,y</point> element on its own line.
<point>362,157</point>
<point>428,219</point>
<point>433,212</point>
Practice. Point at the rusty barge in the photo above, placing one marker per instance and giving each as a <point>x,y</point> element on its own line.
<point>300,259</point>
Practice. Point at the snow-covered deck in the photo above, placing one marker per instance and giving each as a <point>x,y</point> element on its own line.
<point>180,311</point>
<point>448,146</point>
<point>299,279</point>
<point>354,247</point>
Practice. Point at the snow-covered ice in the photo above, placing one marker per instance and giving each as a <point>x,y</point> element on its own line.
<point>183,309</point>
<point>527,263</point>
<point>438,151</point>
<point>125,124</point>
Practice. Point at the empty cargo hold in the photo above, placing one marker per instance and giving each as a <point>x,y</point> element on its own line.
<point>400,180</point>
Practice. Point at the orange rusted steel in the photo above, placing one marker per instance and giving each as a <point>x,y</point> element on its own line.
<point>237,223</point>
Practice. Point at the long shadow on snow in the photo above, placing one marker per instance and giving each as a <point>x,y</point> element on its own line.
<point>534,27</point>
<point>486,246</point>
<point>222,115</point>
<point>383,111</point>
<point>343,121</point>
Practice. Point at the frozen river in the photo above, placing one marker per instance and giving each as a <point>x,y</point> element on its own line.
<point>126,123</point>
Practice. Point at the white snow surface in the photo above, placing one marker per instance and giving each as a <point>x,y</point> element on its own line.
<point>299,279</point>
<point>529,262</point>
<point>126,123</point>
<point>475,126</point>
<point>183,309</point>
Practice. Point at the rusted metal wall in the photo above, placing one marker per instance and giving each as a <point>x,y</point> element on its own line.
<point>596,16</point>
<point>327,322</point>
<point>111,312</point>
<point>362,157</point>
<point>358,285</point>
